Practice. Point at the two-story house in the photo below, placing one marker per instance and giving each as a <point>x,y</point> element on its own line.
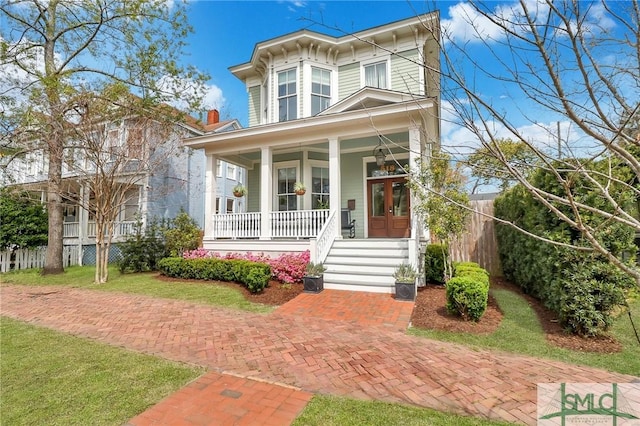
<point>175,181</point>
<point>346,117</point>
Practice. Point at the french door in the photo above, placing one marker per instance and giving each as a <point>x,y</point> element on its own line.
<point>388,207</point>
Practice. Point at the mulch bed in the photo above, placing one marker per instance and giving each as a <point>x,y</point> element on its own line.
<point>430,296</point>
<point>430,312</point>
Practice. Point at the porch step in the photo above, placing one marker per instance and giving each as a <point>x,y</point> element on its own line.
<point>364,265</point>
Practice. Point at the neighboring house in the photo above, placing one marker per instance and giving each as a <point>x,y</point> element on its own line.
<point>175,183</point>
<point>228,175</point>
<point>344,116</point>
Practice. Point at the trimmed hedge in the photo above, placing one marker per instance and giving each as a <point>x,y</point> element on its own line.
<point>582,288</point>
<point>435,259</point>
<point>254,275</point>
<point>468,291</point>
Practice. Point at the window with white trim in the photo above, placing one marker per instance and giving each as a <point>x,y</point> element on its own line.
<point>320,90</point>
<point>287,95</point>
<point>230,204</point>
<point>286,196</point>
<point>231,171</point>
<point>217,205</point>
<point>218,168</point>
<point>375,75</point>
<point>319,188</point>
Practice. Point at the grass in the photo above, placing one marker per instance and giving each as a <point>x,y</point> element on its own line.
<point>55,379</point>
<point>335,411</point>
<point>520,332</point>
<point>146,284</point>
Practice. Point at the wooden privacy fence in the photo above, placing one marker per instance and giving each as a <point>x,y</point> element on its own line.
<point>478,243</point>
<point>34,258</point>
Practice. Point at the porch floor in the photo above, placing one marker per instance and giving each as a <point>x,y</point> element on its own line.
<point>355,307</point>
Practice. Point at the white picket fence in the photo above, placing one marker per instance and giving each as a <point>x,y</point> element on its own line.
<point>34,258</point>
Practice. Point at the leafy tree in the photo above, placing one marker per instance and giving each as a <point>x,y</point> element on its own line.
<point>487,161</point>
<point>440,188</point>
<point>55,52</point>
<point>24,220</point>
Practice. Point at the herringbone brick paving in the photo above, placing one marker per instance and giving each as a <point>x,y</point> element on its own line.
<point>373,361</point>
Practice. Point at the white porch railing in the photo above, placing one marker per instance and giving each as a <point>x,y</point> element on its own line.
<point>322,244</point>
<point>71,229</point>
<point>297,223</point>
<point>119,229</point>
<point>291,224</point>
<point>236,225</point>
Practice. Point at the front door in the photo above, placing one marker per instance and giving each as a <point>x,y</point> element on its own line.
<point>388,207</point>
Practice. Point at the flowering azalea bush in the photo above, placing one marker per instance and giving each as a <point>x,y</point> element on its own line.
<point>287,268</point>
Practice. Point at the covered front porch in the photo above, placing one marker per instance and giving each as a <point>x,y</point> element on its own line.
<point>354,160</point>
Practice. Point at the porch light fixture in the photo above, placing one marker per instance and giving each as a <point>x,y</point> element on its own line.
<point>377,152</point>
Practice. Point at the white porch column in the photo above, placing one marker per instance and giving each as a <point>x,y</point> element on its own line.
<point>210,192</point>
<point>417,230</point>
<point>335,195</point>
<point>266,191</point>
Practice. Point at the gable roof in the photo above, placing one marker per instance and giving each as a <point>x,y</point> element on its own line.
<point>369,97</point>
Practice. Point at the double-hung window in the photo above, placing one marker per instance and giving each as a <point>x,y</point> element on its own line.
<point>287,198</point>
<point>319,188</point>
<point>287,95</point>
<point>320,90</point>
<point>375,75</point>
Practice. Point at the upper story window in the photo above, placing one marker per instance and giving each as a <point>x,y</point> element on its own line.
<point>320,90</point>
<point>218,168</point>
<point>287,95</point>
<point>375,75</point>
<point>231,171</point>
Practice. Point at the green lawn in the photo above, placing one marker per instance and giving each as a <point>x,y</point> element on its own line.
<point>520,332</point>
<point>147,284</point>
<point>53,378</point>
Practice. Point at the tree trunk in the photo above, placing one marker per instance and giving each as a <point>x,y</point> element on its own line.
<point>53,259</point>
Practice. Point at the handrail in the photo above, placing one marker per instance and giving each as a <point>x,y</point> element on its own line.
<point>325,237</point>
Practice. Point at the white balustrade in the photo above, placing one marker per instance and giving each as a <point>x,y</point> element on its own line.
<point>236,225</point>
<point>297,223</point>
<point>325,237</point>
<point>119,228</point>
<point>71,230</point>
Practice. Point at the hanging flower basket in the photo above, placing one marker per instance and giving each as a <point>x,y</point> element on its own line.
<point>239,191</point>
<point>299,188</point>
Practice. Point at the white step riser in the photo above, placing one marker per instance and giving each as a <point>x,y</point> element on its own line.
<point>363,269</point>
<point>359,281</point>
<point>359,278</point>
<point>358,244</point>
<point>390,262</point>
<point>369,253</point>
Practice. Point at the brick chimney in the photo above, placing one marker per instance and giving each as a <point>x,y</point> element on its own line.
<point>213,116</point>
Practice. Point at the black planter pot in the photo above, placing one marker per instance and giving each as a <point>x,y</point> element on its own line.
<point>313,284</point>
<point>405,291</point>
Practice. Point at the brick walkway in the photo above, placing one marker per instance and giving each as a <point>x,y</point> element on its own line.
<point>315,354</point>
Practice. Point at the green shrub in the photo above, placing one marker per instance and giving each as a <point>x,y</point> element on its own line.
<point>182,235</point>
<point>142,250</point>
<point>582,288</point>
<point>467,296</point>
<point>252,274</point>
<point>435,259</point>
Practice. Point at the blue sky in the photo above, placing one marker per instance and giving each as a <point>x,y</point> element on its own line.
<point>227,31</point>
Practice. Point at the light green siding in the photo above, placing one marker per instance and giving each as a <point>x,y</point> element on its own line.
<point>348,79</point>
<point>352,188</point>
<point>254,106</point>
<point>253,187</point>
<point>405,74</point>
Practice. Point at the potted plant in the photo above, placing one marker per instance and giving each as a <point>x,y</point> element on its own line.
<point>299,188</point>
<point>314,278</point>
<point>239,190</point>
<point>405,276</point>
